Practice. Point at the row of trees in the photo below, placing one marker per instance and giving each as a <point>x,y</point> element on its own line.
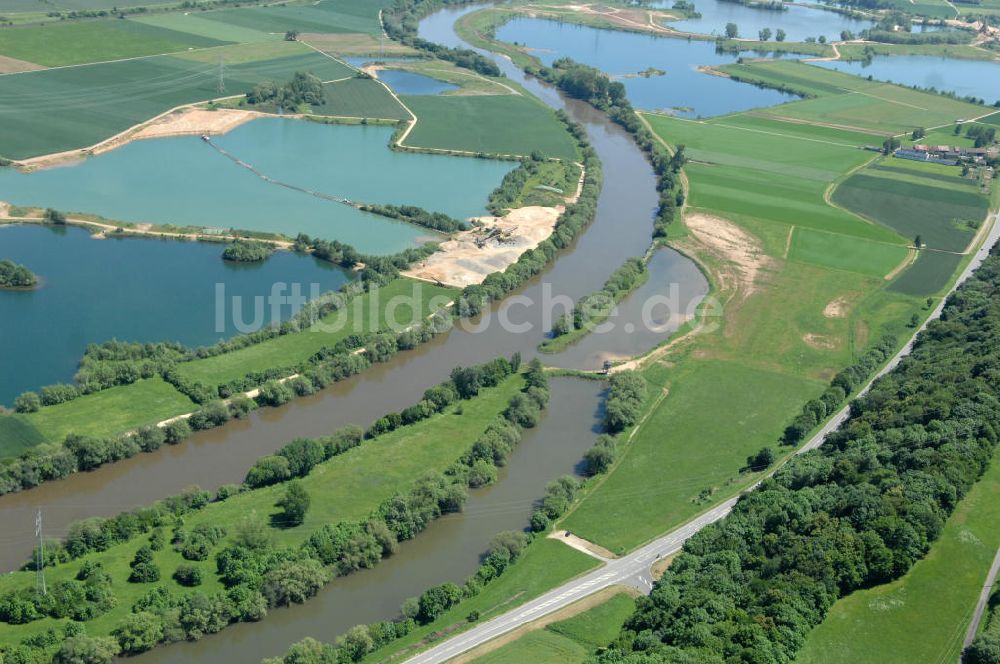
<point>593,308</point>
<point>255,573</point>
<point>857,512</point>
<point>594,87</point>
<point>417,215</point>
<point>402,19</point>
<point>305,89</point>
<point>14,275</point>
<point>511,189</point>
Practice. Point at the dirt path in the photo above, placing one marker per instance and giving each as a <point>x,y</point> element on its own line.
<point>582,545</point>
<point>106,229</point>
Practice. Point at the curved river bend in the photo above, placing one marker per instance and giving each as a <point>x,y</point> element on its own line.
<point>450,548</point>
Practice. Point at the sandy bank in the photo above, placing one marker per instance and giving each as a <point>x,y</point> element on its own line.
<point>490,247</point>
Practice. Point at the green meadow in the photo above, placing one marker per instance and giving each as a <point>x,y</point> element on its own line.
<point>58,44</point>
<point>326,16</point>
<point>923,616</point>
<point>774,348</point>
<point>110,411</point>
<point>481,124</point>
<point>656,485</point>
<point>62,109</point>
<point>568,641</point>
<point>366,313</point>
<point>347,487</point>
<point>851,102</point>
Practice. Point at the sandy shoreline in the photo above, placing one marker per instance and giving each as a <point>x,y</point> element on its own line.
<point>180,121</point>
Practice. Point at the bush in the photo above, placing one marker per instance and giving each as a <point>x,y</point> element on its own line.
<point>188,575</point>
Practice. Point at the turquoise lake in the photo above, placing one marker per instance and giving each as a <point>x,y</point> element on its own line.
<point>408,83</point>
<point>133,290</point>
<point>683,88</point>
<point>183,181</point>
<point>976,78</point>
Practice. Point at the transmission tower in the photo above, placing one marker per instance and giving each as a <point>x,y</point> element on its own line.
<point>222,75</point>
<point>40,558</point>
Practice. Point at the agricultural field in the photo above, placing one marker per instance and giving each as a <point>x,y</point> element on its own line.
<point>62,109</point>
<point>770,170</point>
<point>367,312</point>
<point>360,98</point>
<point>934,600</point>
<point>60,44</point>
<point>347,487</point>
<point>197,24</point>
<point>480,123</point>
<point>928,200</point>
<point>850,102</point>
<point>568,641</point>
<point>110,411</point>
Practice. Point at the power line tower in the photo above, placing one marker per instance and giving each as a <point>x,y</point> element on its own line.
<point>222,75</point>
<point>40,557</point>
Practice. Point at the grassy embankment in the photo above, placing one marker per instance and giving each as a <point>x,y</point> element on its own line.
<point>127,407</point>
<point>934,600</point>
<point>568,641</point>
<point>348,487</point>
<point>544,564</point>
<point>820,297</point>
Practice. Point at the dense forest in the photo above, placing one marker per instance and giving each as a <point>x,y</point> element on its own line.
<point>855,513</point>
<point>304,88</point>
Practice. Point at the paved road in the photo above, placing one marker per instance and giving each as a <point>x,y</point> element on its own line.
<point>984,596</point>
<point>634,569</point>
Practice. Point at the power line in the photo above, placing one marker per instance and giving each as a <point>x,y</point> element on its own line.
<point>40,557</point>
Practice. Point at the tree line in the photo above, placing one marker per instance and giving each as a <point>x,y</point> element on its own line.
<point>304,88</point>
<point>595,307</point>
<point>594,87</point>
<point>402,20</point>
<point>417,215</point>
<point>256,574</point>
<point>855,513</point>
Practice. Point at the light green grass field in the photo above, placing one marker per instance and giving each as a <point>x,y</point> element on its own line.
<point>482,124</point>
<point>545,564</point>
<point>852,102</point>
<point>599,626</point>
<point>843,252</point>
<point>685,447</point>
<point>61,109</point>
<point>776,171</point>
<point>327,16</point>
<point>539,647</point>
<point>57,44</point>
<point>923,616</point>
<point>111,411</point>
<point>348,486</point>
<point>367,312</point>
<point>568,641</point>
<point>196,24</point>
